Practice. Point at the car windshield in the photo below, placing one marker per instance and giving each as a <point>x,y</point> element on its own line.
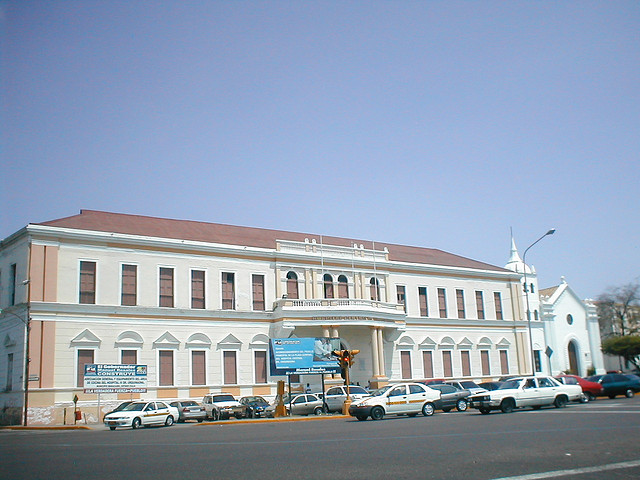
<point>380,391</point>
<point>469,384</point>
<point>224,398</point>
<point>189,403</point>
<point>358,390</point>
<point>510,384</point>
<point>595,378</point>
<point>134,407</point>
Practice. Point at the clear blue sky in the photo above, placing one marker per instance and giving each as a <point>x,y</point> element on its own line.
<point>433,123</point>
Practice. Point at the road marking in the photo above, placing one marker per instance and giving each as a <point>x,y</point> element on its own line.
<point>574,471</point>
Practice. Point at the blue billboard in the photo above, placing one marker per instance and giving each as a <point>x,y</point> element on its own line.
<point>299,356</point>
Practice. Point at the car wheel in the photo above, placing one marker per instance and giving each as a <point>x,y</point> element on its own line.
<point>560,402</point>
<point>169,421</point>
<point>136,423</point>
<point>629,393</point>
<point>377,413</point>
<point>317,411</point>
<point>362,418</point>
<point>462,405</point>
<point>112,428</point>
<point>584,398</point>
<point>215,415</point>
<point>485,411</point>
<point>428,409</point>
<point>507,405</point>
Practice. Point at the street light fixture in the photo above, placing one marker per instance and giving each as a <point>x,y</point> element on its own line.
<point>526,295</point>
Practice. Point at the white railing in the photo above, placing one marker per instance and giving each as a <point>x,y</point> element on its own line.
<point>336,303</point>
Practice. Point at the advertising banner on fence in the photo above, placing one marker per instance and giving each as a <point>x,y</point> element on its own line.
<point>114,378</point>
<point>291,356</point>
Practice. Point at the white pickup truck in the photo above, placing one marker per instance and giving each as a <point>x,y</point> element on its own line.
<point>519,392</point>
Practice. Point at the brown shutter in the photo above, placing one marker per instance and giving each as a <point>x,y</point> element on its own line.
<point>422,297</point>
<point>446,363</point>
<point>460,300</point>
<point>230,372</point>
<point>442,302</point>
<point>228,293</point>
<point>129,357</point>
<point>480,305</point>
<point>84,357</point>
<point>328,286</point>
<point>504,362</point>
<point>466,363</point>
<point>292,285</point>
<point>405,361</point>
<point>166,287</point>
<point>261,366</point>
<point>166,367</point>
<point>129,284</point>
<point>401,294</point>
<point>498,301</point>
<point>198,371</point>
<point>197,289</point>
<point>427,363</point>
<point>88,282</point>
<point>484,357</point>
<point>257,285</point>
<point>343,287</point>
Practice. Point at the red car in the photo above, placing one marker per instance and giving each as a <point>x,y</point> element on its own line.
<point>590,389</point>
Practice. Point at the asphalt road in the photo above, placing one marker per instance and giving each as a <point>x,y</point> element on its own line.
<point>599,440</point>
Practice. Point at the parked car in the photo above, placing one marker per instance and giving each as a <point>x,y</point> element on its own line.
<point>118,408</point>
<point>189,410</point>
<point>526,392</point>
<point>299,404</point>
<point>399,399</point>
<point>255,406</point>
<point>590,390</point>
<point>451,397</point>
<point>490,385</point>
<point>335,396</point>
<point>219,406</point>
<point>145,414</point>
<point>473,387</point>
<point>617,384</point>
<point>433,381</point>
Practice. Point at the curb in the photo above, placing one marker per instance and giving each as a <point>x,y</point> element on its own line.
<point>272,420</point>
<point>46,427</point>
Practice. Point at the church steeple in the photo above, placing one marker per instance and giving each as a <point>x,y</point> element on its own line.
<point>515,263</point>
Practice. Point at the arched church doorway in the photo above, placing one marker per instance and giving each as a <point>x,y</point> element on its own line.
<point>573,358</point>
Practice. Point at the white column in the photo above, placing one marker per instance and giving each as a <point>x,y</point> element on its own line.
<point>381,352</point>
<point>325,331</point>
<point>334,332</point>
<point>375,352</point>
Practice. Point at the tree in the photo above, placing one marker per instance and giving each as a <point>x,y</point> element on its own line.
<point>627,347</point>
<point>619,310</point>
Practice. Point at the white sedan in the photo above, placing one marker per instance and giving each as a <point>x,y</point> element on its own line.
<point>138,414</point>
<point>399,399</point>
<point>518,392</point>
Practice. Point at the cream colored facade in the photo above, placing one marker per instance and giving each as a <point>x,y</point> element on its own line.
<point>395,338</point>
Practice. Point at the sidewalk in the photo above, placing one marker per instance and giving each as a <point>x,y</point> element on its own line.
<point>231,421</point>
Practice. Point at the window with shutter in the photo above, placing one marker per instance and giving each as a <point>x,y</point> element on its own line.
<point>480,305</point>
<point>422,298</point>
<point>166,287</point>
<point>228,291</point>
<point>466,363</point>
<point>257,287</point>
<point>442,302</point>
<point>230,371</point>
<point>446,364</point>
<point>197,289</point>
<point>343,287</point>
<point>88,282</point>
<point>260,358</point>
<point>84,357</point>
<point>166,367</point>
<point>129,285</point>
<point>128,357</point>
<point>198,371</point>
<point>460,302</point>
<point>427,364</point>
<point>292,285</point>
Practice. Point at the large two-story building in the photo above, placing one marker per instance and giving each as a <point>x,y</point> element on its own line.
<point>198,303</point>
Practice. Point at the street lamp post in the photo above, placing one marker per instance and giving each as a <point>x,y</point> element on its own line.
<point>526,295</point>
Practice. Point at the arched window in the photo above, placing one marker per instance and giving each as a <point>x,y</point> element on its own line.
<point>292,285</point>
<point>375,288</point>
<point>328,285</point>
<point>343,287</point>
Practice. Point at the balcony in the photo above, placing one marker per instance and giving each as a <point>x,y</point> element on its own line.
<point>355,308</point>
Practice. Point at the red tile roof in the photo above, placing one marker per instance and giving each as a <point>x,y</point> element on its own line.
<point>246,236</point>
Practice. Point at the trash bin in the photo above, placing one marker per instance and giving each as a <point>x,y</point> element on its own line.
<point>78,415</point>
